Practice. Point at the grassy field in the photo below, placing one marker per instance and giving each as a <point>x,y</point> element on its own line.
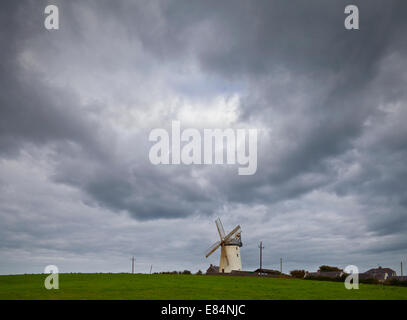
<point>156,287</point>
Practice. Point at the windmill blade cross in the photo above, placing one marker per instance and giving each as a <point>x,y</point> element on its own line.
<point>212,249</point>
<point>231,233</point>
<point>221,231</point>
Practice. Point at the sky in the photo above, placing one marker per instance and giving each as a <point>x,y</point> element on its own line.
<point>77,104</point>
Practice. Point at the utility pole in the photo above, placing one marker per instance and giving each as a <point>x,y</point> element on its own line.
<point>151,268</point>
<point>132,264</point>
<point>261,254</point>
<point>401,265</point>
<point>281,265</point>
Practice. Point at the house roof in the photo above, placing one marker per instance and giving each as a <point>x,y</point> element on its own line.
<point>212,268</point>
<point>381,270</point>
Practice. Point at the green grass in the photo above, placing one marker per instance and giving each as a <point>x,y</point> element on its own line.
<point>143,286</point>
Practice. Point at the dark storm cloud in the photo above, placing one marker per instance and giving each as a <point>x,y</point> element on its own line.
<point>330,104</point>
<point>307,43</point>
<point>146,194</point>
<point>31,111</point>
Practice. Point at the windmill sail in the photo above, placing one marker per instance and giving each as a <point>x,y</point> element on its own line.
<point>212,249</point>
<point>231,233</point>
<point>230,248</point>
<point>220,229</point>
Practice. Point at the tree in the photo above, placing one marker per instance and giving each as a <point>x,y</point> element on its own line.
<point>325,268</point>
<point>297,273</point>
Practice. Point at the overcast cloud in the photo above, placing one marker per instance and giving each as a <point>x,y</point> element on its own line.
<point>77,104</point>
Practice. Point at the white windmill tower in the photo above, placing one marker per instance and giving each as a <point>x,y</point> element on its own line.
<point>230,248</point>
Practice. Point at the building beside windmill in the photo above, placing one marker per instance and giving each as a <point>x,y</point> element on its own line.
<point>212,269</point>
<point>230,244</point>
<point>378,273</point>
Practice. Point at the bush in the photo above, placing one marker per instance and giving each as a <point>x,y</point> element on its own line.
<point>199,272</point>
<point>396,282</point>
<point>319,278</point>
<point>186,272</point>
<point>275,272</point>
<point>369,281</point>
<point>297,273</point>
<point>325,268</point>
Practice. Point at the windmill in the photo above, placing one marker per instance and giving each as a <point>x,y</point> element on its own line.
<point>230,248</point>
